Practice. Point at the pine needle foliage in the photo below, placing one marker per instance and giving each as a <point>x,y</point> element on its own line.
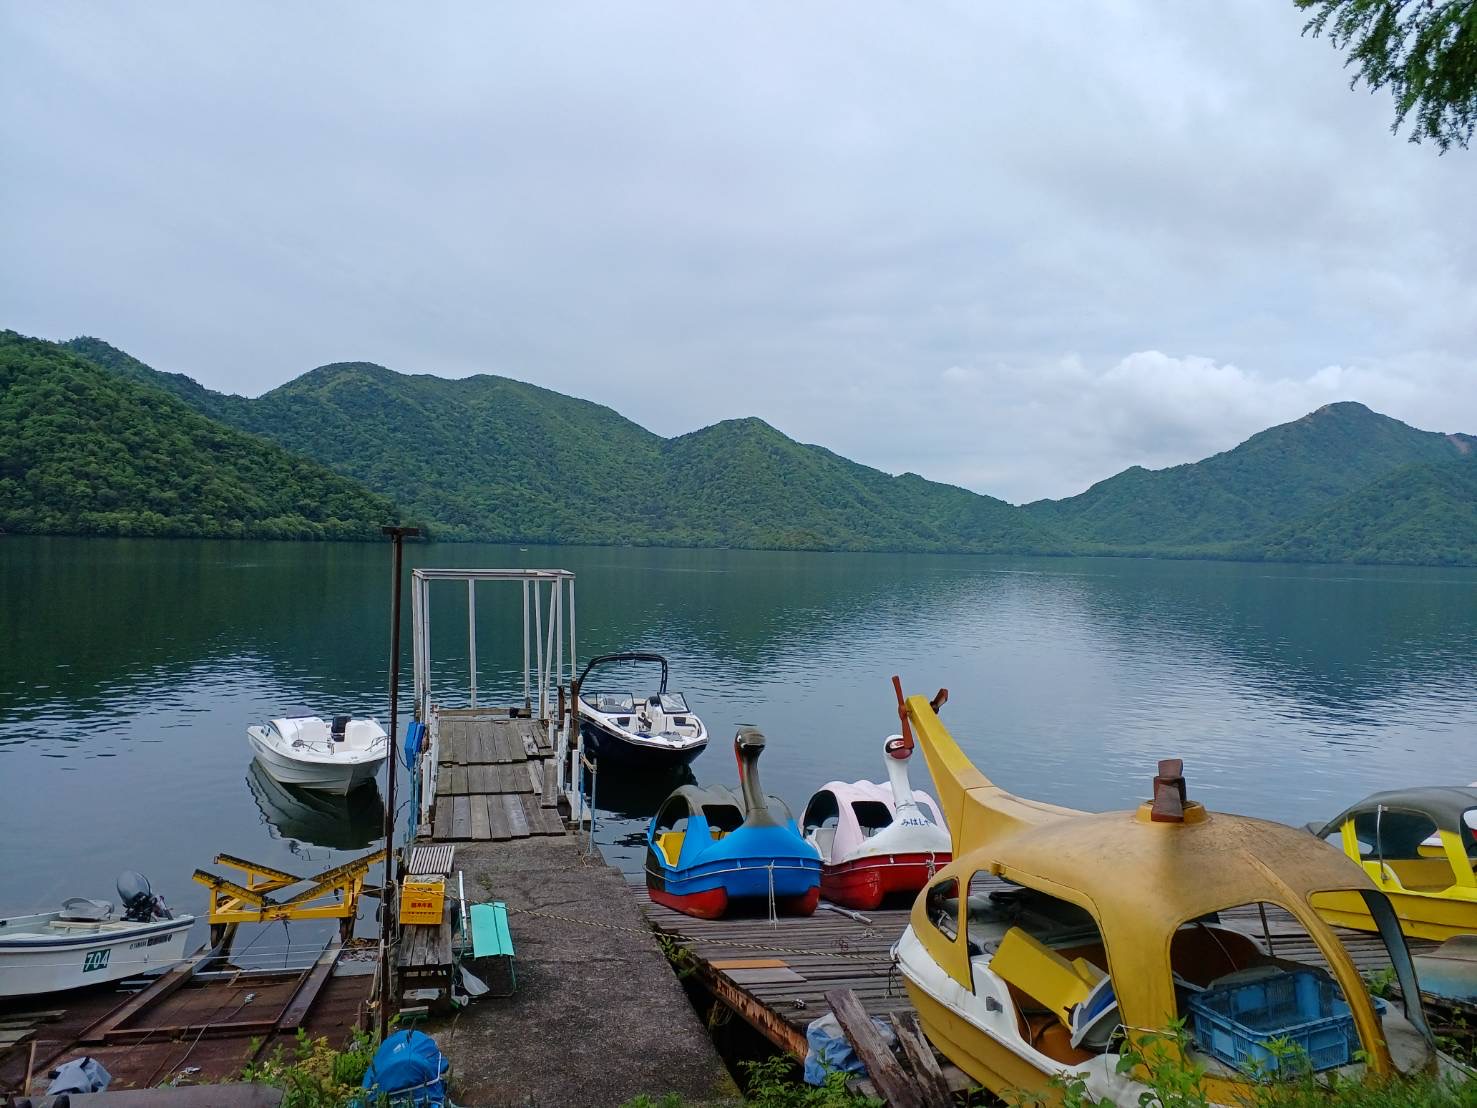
<point>1424,51</point>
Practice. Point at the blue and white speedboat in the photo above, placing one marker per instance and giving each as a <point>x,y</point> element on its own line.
<point>706,848</point>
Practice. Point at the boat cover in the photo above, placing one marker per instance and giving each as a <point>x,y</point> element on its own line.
<point>1443,805</point>
<point>408,1069</point>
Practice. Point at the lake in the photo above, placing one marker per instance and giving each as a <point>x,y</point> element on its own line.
<point>129,670</point>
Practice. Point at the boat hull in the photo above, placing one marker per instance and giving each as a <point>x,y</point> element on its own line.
<point>1422,917</point>
<point>337,778</point>
<point>714,903</point>
<point>31,967</point>
<point>708,891</point>
<point>864,883</point>
<point>613,749</point>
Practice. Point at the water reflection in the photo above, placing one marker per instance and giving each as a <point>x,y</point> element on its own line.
<point>351,822</point>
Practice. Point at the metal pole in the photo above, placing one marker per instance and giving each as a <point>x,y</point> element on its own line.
<point>557,626</point>
<point>387,893</point>
<point>472,634</point>
<point>538,642</point>
<point>548,667</point>
<point>527,702</point>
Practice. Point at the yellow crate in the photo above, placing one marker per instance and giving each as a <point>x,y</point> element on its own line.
<point>422,900</point>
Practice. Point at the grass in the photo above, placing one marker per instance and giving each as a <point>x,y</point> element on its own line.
<point>1173,1082</point>
<point>315,1074</point>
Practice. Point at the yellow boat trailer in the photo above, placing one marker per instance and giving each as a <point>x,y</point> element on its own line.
<point>332,894</point>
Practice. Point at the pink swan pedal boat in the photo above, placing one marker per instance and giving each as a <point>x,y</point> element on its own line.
<point>876,841</point>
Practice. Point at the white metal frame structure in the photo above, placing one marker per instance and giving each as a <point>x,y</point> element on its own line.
<point>548,668</point>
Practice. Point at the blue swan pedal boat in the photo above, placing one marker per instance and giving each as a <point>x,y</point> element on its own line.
<point>706,848</point>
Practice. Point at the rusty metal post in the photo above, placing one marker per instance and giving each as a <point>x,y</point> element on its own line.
<point>387,893</point>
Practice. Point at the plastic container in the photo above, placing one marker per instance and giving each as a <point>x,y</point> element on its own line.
<point>422,899</point>
<point>1235,1022</point>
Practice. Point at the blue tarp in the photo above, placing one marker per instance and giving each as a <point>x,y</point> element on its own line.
<point>408,1069</point>
<point>830,1052</point>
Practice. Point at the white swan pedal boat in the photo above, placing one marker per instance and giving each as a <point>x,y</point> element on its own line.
<point>84,944</point>
<point>311,753</point>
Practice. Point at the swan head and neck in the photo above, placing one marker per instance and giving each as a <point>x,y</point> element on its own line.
<point>748,744</point>
<point>898,750</point>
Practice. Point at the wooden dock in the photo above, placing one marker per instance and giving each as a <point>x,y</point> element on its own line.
<point>495,777</point>
<point>775,975</point>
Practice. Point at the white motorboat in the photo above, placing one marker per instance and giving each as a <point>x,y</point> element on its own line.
<point>311,753</point>
<point>84,944</point>
<point>655,731</point>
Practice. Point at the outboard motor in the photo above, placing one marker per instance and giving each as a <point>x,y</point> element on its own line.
<point>140,905</point>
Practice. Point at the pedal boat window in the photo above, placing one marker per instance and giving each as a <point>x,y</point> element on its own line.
<point>1076,926</point>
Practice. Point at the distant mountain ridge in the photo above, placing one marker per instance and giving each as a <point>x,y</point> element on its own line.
<point>493,458</point>
<point>85,450</point>
<point>1274,478</point>
<point>496,459</point>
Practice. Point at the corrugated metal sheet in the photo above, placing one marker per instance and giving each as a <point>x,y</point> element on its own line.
<point>434,859</point>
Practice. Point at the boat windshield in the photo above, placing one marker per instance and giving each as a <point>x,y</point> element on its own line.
<point>609,702</point>
<point>674,702</point>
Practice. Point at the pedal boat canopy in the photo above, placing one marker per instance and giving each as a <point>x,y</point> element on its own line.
<point>1418,846</point>
<point>1144,887</point>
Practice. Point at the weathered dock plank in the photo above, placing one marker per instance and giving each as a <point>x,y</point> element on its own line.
<point>517,815</point>
<point>494,779</point>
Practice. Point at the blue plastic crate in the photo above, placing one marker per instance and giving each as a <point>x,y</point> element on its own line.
<point>1235,1022</point>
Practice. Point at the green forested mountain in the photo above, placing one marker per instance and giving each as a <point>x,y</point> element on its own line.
<point>742,483</point>
<point>496,459</point>
<point>1274,478</point>
<point>1422,514</point>
<point>85,451</point>
<point>492,458</point>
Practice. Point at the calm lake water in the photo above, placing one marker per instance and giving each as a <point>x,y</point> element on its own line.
<point>130,668</point>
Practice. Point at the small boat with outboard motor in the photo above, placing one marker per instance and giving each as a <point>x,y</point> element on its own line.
<point>85,943</point>
<point>707,848</point>
<point>313,753</point>
<point>876,840</point>
<point>1061,943</point>
<point>621,727</point>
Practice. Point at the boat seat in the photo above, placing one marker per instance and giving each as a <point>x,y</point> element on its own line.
<point>825,838</point>
<point>1044,975</point>
<point>670,844</point>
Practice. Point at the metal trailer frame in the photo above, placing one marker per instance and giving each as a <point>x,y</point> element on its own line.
<point>548,668</point>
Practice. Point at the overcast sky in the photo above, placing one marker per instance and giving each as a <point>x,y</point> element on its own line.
<point>1016,247</point>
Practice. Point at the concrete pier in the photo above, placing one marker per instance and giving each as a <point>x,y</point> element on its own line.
<point>598,1017</point>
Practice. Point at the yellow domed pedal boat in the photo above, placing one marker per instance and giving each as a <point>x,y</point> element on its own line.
<point>1418,846</point>
<point>1055,936</point>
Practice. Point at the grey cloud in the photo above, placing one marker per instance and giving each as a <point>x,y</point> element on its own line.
<point>947,238</point>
